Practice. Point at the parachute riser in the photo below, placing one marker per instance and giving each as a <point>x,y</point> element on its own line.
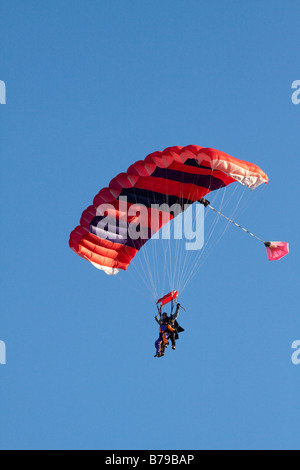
<point>182,308</point>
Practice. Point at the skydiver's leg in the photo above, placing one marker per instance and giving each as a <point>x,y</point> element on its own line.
<point>166,339</point>
<point>173,339</point>
<point>158,346</point>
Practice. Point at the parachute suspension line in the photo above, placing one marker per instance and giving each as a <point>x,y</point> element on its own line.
<point>200,259</point>
<point>211,246</point>
<point>159,263</point>
<point>189,264</point>
<point>147,275</point>
<point>146,269</point>
<point>163,246</point>
<point>154,256</point>
<point>208,247</point>
<point>251,200</point>
<point>143,280</point>
<point>185,257</point>
<point>142,274</point>
<point>182,256</point>
<point>233,214</point>
<point>153,271</point>
<point>178,253</point>
<point>207,204</point>
<point>167,246</point>
<point>193,269</point>
<point>150,274</point>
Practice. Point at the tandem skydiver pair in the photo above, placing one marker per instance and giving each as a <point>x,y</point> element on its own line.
<point>169,328</point>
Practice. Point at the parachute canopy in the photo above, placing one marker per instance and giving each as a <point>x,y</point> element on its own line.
<point>112,230</point>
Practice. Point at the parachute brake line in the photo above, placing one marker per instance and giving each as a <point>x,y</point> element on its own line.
<point>182,308</point>
<point>206,203</point>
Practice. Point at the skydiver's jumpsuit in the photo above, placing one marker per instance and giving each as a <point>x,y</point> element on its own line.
<point>173,323</point>
<point>164,331</point>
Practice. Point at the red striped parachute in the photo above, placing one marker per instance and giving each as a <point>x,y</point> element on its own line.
<point>134,207</point>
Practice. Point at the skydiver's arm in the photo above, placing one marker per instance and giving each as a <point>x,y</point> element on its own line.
<point>175,316</point>
<point>156,318</point>
<point>171,329</point>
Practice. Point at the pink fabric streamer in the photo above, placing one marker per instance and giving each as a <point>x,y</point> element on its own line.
<point>277,250</point>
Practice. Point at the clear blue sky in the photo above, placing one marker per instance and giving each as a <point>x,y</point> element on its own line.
<point>91,87</point>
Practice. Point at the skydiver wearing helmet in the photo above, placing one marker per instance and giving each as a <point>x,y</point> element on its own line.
<point>176,327</point>
<point>169,329</point>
